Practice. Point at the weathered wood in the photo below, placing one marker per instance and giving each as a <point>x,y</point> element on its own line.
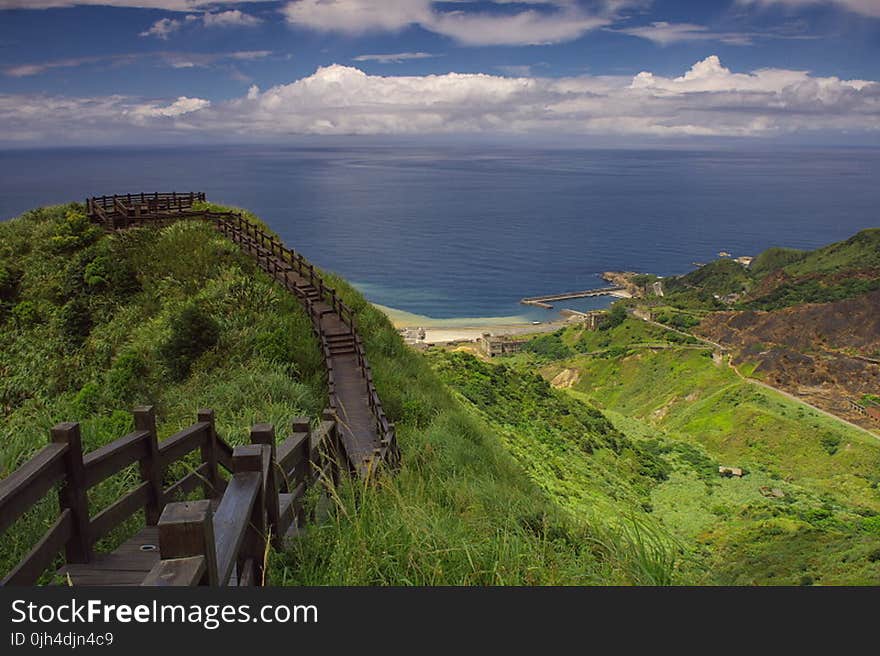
<point>209,454</point>
<point>182,443</point>
<point>112,458</point>
<point>247,577</point>
<point>72,493</point>
<point>177,572</point>
<point>117,512</point>
<point>150,467</point>
<point>231,519</point>
<point>292,453</point>
<point>186,529</point>
<point>248,460</point>
<point>30,482</point>
<point>29,569</point>
<point>264,434</point>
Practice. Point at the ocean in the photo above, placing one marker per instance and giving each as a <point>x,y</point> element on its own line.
<point>466,231</point>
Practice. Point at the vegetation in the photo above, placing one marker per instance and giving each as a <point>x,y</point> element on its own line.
<point>178,318</point>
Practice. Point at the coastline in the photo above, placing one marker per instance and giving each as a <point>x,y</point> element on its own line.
<point>464,329</point>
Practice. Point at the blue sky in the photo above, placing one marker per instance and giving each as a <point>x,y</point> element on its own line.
<point>86,71</point>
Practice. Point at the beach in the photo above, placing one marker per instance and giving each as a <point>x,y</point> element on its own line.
<point>463,329</point>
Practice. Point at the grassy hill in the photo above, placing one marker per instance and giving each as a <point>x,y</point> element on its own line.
<point>92,324</point>
<point>805,512</point>
<point>783,277</point>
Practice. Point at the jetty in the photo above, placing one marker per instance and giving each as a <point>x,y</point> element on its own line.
<point>547,300</point>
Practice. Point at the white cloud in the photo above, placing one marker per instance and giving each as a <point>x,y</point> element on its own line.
<point>394,58</point>
<point>707,100</point>
<point>232,18</point>
<point>863,7</point>
<point>163,28</point>
<point>665,33</point>
<point>555,21</point>
<point>173,59</point>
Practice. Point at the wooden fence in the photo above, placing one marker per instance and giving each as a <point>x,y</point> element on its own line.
<point>263,498</point>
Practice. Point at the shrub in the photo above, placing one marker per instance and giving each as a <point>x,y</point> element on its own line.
<point>75,231</point>
<point>193,332</point>
<point>75,321</point>
<point>126,376</point>
<point>616,316</point>
<point>26,313</point>
<point>830,442</point>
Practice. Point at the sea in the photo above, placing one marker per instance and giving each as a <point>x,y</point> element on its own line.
<point>455,232</point>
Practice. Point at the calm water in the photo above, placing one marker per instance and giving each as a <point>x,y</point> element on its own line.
<point>466,232</point>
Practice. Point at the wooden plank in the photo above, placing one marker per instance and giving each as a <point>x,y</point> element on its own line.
<point>30,482</point>
<point>176,572</point>
<point>247,578</point>
<point>41,556</point>
<point>150,467</point>
<point>182,443</point>
<point>292,452</point>
<point>111,458</point>
<point>231,519</point>
<point>116,513</point>
<point>187,529</point>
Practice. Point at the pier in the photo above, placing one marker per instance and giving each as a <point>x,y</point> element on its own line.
<point>545,301</point>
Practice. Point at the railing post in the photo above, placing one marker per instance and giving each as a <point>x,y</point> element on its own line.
<point>186,529</point>
<point>209,454</point>
<point>302,472</point>
<point>253,458</point>
<point>265,434</point>
<point>151,466</point>
<point>72,494</point>
<point>333,449</point>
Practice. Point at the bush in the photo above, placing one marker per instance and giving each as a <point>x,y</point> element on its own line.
<point>193,332</point>
<point>26,314</point>
<point>616,316</point>
<point>126,377</point>
<point>75,321</point>
<point>74,232</point>
<point>830,442</point>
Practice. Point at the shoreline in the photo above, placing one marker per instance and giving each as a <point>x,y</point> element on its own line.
<point>463,329</point>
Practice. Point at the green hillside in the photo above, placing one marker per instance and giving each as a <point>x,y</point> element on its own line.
<point>861,251</point>
<point>824,528</point>
<point>93,324</point>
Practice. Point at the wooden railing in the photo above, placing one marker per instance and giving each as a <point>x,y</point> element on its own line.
<point>275,490</point>
<point>62,462</point>
<point>275,259</point>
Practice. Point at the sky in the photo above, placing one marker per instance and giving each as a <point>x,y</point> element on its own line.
<point>76,72</point>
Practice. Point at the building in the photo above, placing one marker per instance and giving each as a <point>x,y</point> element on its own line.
<point>873,412</point>
<point>495,345</point>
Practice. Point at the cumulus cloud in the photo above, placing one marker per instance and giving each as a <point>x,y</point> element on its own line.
<point>863,7</point>
<point>546,21</point>
<point>165,27</point>
<point>707,100</point>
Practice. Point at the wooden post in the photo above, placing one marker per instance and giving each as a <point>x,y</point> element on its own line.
<point>151,466</point>
<point>333,448</point>
<point>265,434</point>
<point>186,529</point>
<point>72,494</point>
<point>254,458</point>
<point>209,454</point>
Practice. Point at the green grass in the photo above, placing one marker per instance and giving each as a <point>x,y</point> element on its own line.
<point>823,530</point>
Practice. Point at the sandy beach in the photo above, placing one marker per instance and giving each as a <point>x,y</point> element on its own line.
<point>460,329</point>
